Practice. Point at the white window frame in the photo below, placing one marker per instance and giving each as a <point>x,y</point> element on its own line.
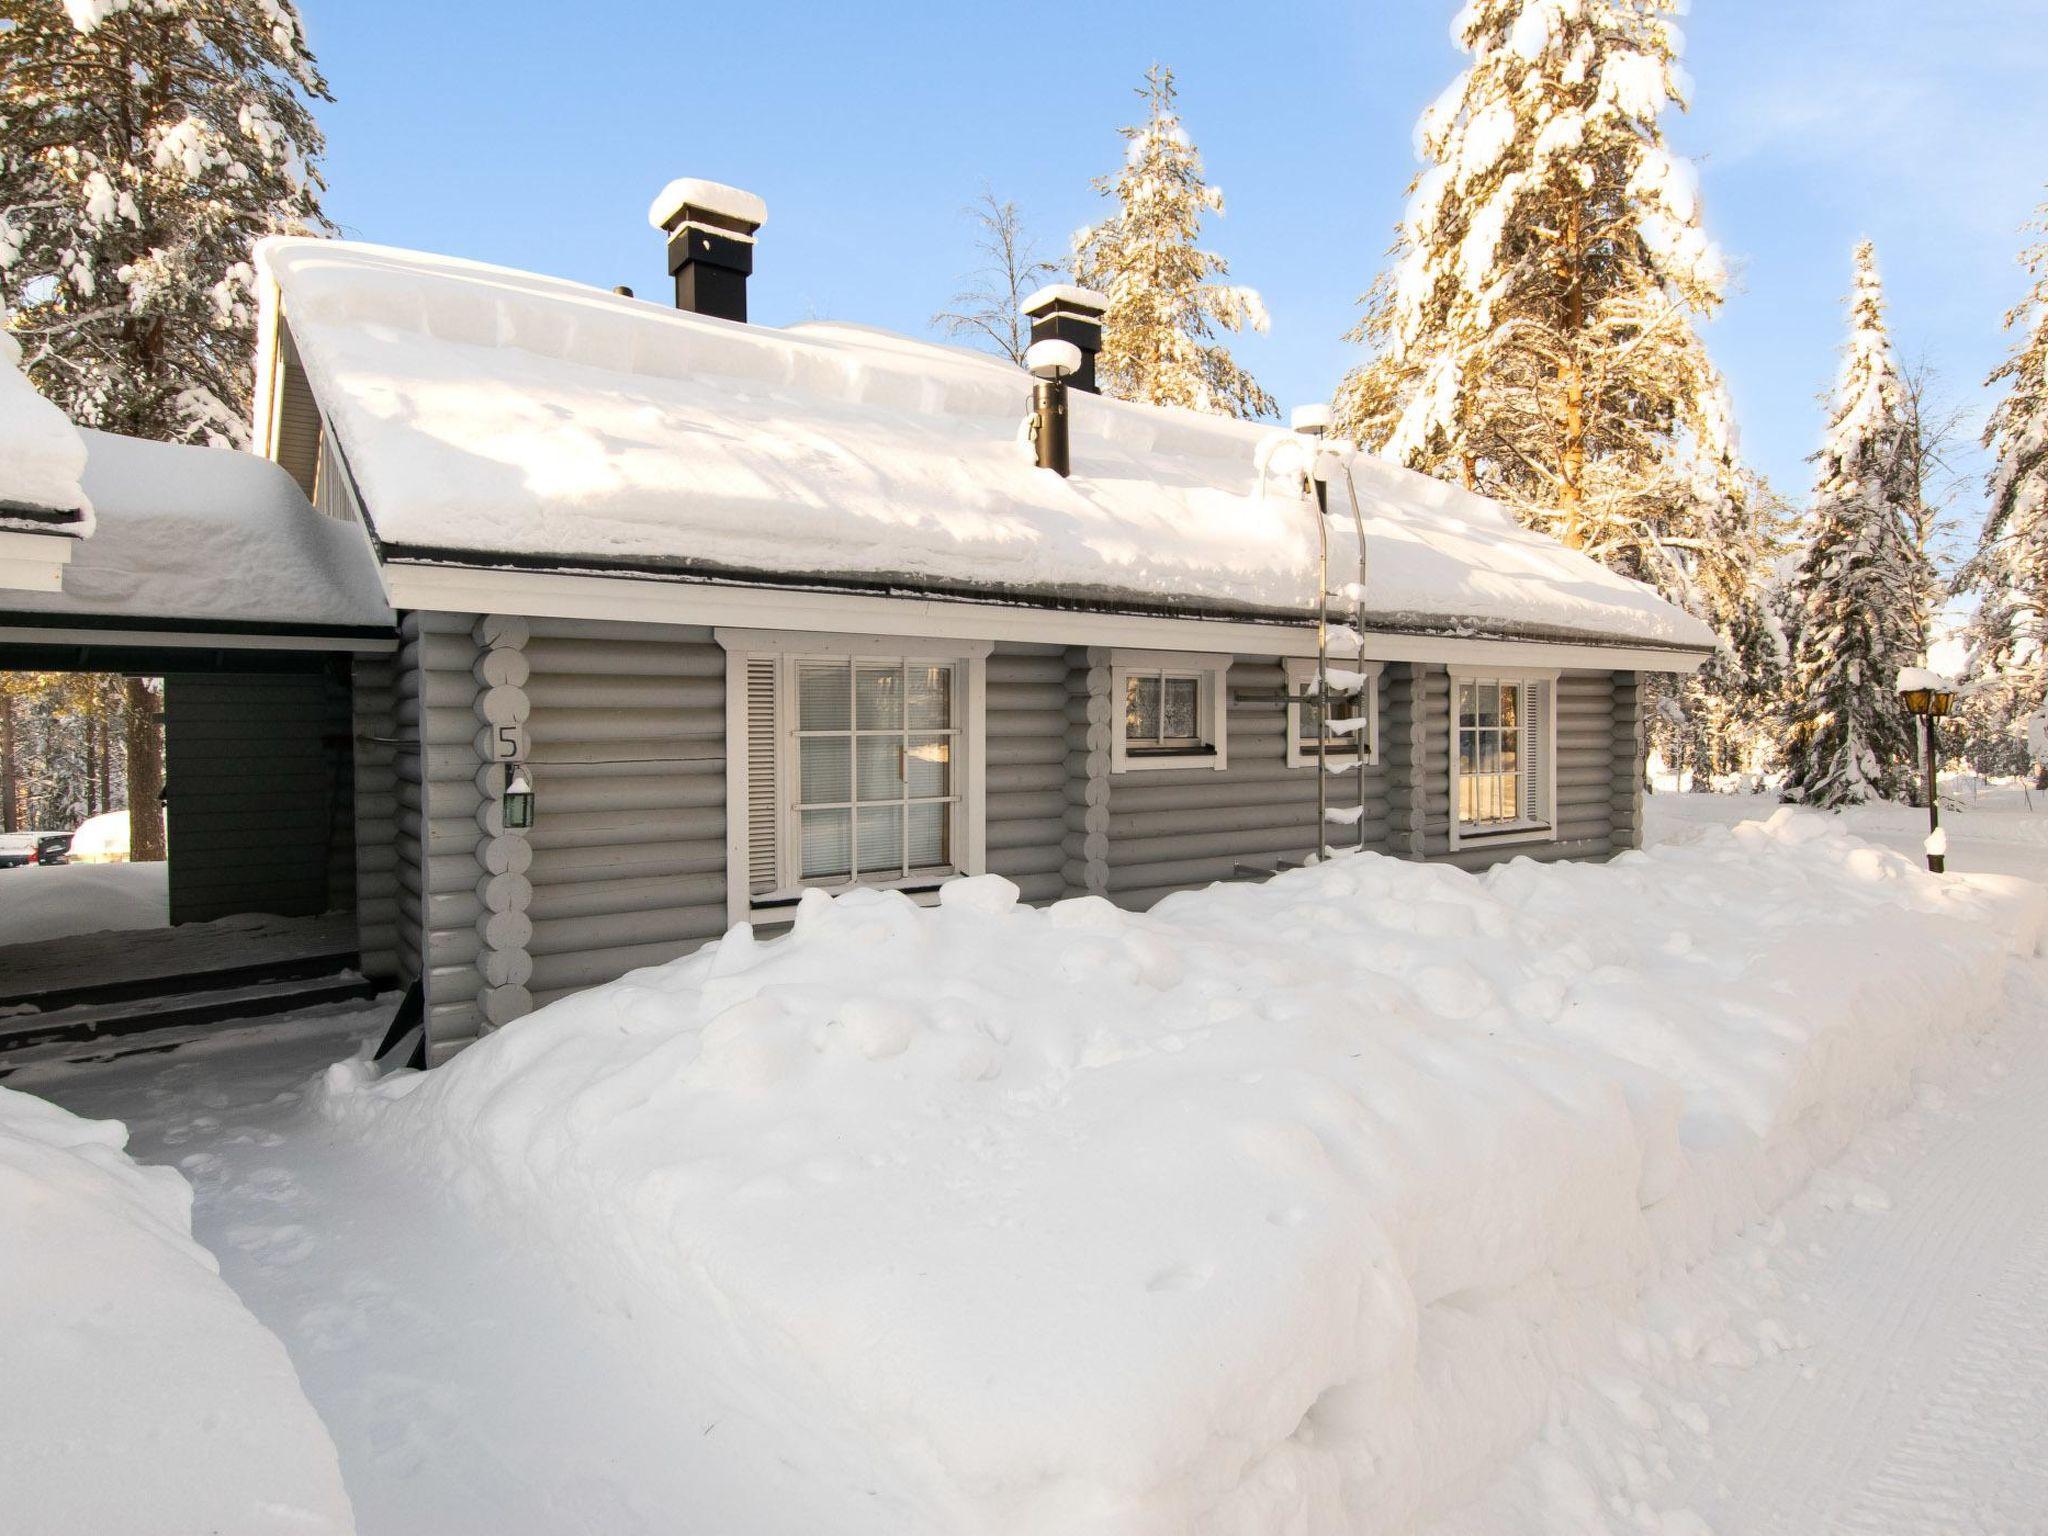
<point>1212,724</point>
<point>1301,682</point>
<point>1543,829</point>
<point>968,833</point>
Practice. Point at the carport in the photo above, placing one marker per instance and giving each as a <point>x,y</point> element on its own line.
<point>267,622</point>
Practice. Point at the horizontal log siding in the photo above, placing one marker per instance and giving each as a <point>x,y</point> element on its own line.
<point>1585,705</point>
<point>376,817</point>
<point>1177,829</point>
<point>437,702</point>
<point>628,758</point>
<point>1028,695</point>
<point>1627,761</point>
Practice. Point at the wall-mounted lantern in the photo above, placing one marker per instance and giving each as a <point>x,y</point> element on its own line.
<point>518,802</point>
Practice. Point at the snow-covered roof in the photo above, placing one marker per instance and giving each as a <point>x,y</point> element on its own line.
<point>209,534</point>
<point>494,416</point>
<point>41,456</point>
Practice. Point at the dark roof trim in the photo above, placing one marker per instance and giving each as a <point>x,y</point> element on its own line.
<point>47,519</point>
<point>683,571</point>
<point>117,624</point>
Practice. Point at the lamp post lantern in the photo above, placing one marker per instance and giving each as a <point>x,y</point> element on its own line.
<point>1929,696</point>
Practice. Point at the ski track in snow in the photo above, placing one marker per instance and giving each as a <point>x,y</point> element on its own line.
<point>1921,1404</point>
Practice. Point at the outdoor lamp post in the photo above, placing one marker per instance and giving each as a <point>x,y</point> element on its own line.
<point>1929,696</point>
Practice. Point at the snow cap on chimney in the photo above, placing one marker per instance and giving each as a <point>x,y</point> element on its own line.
<point>710,229</point>
<point>1063,312</point>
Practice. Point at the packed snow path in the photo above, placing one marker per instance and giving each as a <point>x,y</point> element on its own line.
<point>1920,1403</point>
<point>467,1391</point>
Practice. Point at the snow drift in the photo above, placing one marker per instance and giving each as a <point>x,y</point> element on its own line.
<point>140,1395</point>
<point>60,900</point>
<point>1273,1209</point>
<point>42,456</point>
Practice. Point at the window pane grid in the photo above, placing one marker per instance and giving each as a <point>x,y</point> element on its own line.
<point>1162,710</point>
<point>877,749</point>
<point>1489,738</point>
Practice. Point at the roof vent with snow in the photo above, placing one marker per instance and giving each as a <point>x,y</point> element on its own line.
<point>710,230</point>
<point>1063,312</point>
<point>1053,363</point>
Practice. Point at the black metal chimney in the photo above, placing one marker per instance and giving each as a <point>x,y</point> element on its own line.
<point>1053,364</point>
<point>1063,312</point>
<point>710,230</point>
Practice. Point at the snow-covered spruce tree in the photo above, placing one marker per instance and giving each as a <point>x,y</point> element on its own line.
<point>2009,570</point>
<point>1864,582</point>
<point>147,144</point>
<point>1164,306</point>
<point>1534,335</point>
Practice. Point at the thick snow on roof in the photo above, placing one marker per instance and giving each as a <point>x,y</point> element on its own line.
<point>209,533</point>
<point>490,413</point>
<point>41,454</point>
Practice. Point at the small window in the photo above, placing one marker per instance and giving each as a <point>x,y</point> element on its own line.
<point>1172,713</point>
<point>1355,707</point>
<point>1501,756</point>
<point>1162,712</point>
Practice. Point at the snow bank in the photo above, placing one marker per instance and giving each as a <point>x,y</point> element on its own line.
<point>137,1394</point>
<point>42,455</point>
<point>210,533</point>
<point>1265,1211</point>
<point>52,903</point>
<point>489,411</point>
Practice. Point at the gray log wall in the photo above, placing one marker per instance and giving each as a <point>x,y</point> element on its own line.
<point>628,760</point>
<point>1029,691</point>
<point>1170,830</point>
<point>623,727</point>
<point>1598,812</point>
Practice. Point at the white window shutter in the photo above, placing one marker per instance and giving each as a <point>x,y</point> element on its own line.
<point>764,809</point>
<point>1535,750</point>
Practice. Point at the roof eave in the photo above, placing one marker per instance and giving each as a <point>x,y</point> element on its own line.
<point>1107,602</point>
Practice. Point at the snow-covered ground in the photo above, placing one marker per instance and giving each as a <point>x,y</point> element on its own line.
<point>1994,827</point>
<point>66,899</point>
<point>1542,1256</point>
<point>137,1394</point>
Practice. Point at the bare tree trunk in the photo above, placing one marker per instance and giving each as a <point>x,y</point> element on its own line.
<point>1571,497</point>
<point>10,769</point>
<point>144,739</point>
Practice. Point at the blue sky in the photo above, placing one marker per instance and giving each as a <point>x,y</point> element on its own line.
<point>534,135</point>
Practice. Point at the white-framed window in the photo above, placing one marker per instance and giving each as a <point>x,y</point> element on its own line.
<point>1169,710</point>
<point>850,760</point>
<point>1503,756</point>
<point>1304,713</point>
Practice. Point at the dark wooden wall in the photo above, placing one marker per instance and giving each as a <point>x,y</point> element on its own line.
<point>260,793</point>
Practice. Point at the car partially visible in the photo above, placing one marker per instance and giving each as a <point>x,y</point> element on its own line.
<point>53,848</point>
<point>18,849</point>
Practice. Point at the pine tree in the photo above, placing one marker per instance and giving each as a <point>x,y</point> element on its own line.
<point>1534,334</point>
<point>148,144</point>
<point>1164,305</point>
<point>1864,581</point>
<point>2009,570</point>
